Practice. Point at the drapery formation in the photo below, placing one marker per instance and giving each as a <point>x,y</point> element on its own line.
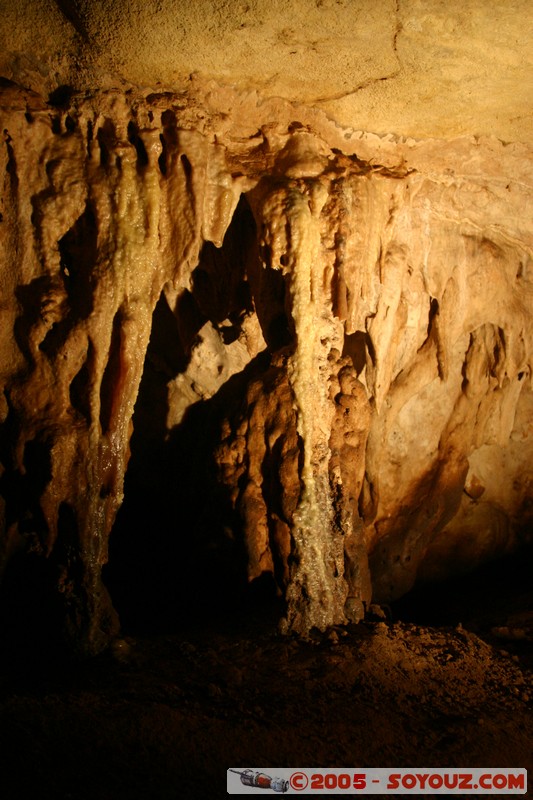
<point>377,306</point>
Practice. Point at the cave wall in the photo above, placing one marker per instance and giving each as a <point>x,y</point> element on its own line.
<point>350,313</point>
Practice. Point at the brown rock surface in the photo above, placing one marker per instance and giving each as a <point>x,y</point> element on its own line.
<point>352,310</point>
<point>162,715</point>
<point>411,67</point>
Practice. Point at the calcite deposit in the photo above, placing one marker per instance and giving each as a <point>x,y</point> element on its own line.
<point>354,312</point>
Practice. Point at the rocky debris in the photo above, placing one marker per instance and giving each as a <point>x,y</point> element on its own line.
<point>373,694</point>
<point>517,626</point>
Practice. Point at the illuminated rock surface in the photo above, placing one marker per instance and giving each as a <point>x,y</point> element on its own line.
<point>348,314</point>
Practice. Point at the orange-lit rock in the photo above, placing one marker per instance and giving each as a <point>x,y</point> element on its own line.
<point>373,315</point>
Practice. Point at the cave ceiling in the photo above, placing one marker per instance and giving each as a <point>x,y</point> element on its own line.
<point>416,68</point>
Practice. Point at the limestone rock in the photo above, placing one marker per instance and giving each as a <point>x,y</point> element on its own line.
<point>358,309</point>
<point>416,68</point>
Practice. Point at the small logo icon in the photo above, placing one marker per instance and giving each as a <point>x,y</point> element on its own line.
<point>299,781</point>
<point>261,781</point>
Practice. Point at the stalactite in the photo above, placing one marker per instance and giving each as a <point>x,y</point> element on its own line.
<point>91,221</point>
<point>361,306</point>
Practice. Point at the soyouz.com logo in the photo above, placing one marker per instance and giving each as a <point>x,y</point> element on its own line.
<point>376,781</point>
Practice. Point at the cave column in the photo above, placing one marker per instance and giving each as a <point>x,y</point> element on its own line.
<point>292,227</point>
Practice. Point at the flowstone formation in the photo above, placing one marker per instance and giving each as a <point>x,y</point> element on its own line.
<point>351,314</point>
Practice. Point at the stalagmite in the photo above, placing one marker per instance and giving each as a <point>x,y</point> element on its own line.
<point>292,219</point>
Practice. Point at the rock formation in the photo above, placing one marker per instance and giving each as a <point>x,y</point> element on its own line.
<point>350,313</point>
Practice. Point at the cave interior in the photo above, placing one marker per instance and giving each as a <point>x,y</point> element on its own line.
<point>266,358</point>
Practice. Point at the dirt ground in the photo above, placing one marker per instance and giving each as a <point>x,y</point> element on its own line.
<point>445,679</point>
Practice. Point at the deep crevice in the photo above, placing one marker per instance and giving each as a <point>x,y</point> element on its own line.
<point>106,137</point>
<point>79,390</point>
<point>111,380</point>
<point>355,346</point>
<point>135,139</point>
<point>78,254</point>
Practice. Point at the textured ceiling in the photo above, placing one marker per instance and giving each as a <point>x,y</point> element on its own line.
<point>409,67</point>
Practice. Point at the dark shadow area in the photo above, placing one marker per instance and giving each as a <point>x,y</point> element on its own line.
<point>21,490</point>
<point>112,377</point>
<point>491,590</point>
<point>69,9</point>
<point>221,282</point>
<point>40,593</point>
<point>176,550</point>
<point>31,614</point>
<point>61,97</point>
<point>78,251</point>
<point>355,346</point>
<point>135,139</point>
<point>106,137</point>
<point>495,601</point>
<point>161,717</point>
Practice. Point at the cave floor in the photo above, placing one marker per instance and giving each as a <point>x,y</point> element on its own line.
<point>164,716</point>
